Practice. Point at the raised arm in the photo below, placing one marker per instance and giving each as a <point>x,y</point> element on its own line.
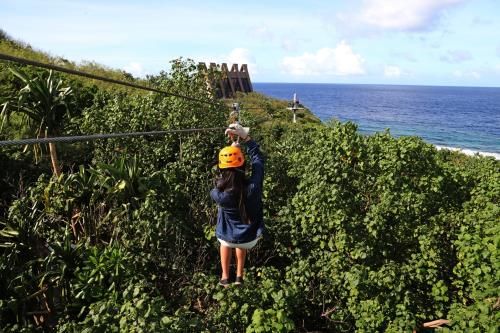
<point>256,157</point>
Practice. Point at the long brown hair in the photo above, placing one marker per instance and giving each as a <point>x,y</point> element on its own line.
<point>233,180</point>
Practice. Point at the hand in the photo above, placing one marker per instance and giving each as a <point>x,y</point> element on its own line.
<point>237,129</point>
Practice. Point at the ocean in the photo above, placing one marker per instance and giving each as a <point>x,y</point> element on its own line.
<point>458,118</point>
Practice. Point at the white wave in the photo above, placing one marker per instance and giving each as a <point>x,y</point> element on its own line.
<point>470,152</point>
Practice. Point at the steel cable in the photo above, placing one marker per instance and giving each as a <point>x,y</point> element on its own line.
<point>97,77</point>
<point>76,138</point>
<point>103,136</point>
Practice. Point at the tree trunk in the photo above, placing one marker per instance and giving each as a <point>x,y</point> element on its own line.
<point>53,158</point>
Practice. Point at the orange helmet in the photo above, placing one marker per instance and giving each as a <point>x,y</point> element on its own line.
<point>230,157</point>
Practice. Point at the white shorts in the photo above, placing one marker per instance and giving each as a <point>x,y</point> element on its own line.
<point>246,246</point>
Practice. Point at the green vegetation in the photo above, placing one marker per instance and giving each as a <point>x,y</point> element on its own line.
<point>42,104</point>
<point>364,233</point>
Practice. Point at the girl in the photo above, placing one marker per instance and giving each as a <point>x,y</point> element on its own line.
<point>239,218</point>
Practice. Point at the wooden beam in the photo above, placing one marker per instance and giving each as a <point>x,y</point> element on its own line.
<point>246,75</point>
<point>235,71</point>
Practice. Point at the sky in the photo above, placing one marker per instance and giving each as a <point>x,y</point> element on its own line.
<point>421,42</point>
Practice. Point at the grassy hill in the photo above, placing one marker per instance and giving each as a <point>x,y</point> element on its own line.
<point>13,47</point>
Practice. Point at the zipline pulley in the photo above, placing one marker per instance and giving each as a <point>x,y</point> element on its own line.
<point>234,116</point>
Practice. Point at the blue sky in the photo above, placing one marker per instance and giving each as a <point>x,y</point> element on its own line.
<point>427,42</point>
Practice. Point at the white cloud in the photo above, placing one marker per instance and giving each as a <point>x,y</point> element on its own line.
<point>242,56</point>
<point>466,74</point>
<point>134,68</point>
<point>392,71</point>
<point>408,15</point>
<point>340,60</point>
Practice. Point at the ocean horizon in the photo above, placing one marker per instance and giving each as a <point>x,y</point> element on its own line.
<point>450,117</point>
<point>378,84</point>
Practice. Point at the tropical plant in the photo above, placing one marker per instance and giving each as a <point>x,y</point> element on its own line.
<point>43,104</point>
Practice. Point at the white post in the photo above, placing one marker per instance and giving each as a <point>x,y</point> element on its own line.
<point>294,107</point>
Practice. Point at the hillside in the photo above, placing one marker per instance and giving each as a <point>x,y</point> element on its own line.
<point>13,47</point>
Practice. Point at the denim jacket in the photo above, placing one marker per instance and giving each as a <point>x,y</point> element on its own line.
<point>229,225</point>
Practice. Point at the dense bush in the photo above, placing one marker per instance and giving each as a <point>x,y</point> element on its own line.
<point>364,233</point>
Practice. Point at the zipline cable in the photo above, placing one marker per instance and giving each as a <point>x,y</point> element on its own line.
<point>97,77</point>
<point>24,61</point>
<point>30,141</point>
<point>103,136</point>
<point>76,138</point>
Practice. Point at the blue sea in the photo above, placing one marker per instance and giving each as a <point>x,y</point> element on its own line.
<point>458,118</point>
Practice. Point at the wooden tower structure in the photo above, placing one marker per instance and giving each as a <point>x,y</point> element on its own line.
<point>231,81</point>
